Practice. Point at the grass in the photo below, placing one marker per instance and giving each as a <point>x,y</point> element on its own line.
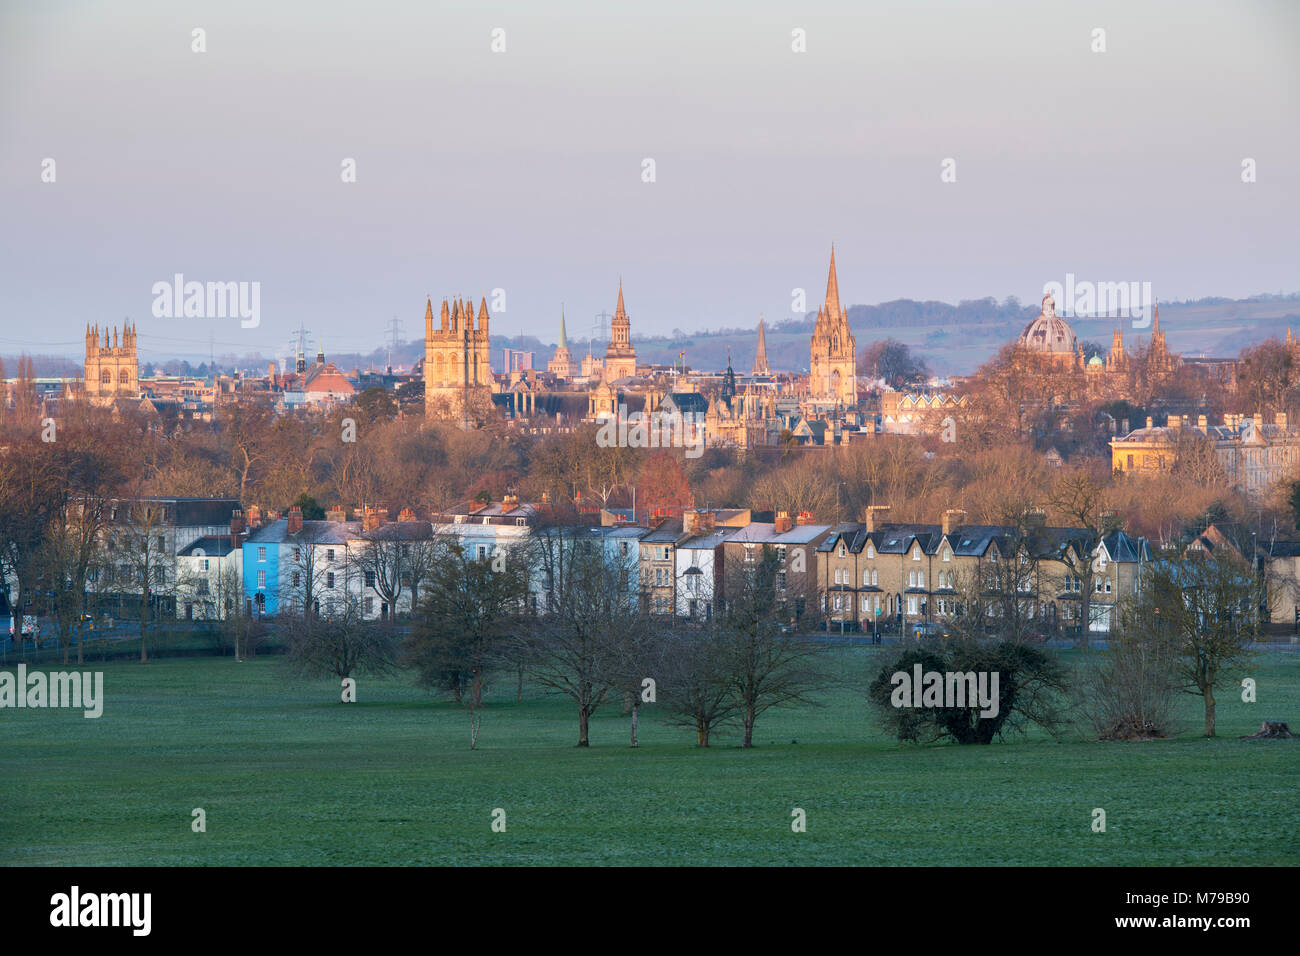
<point>288,776</point>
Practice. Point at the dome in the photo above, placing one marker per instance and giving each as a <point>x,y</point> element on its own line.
<point>1096,360</point>
<point>1049,332</point>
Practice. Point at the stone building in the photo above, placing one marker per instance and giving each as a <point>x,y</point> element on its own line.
<point>457,366</point>
<point>112,369</point>
<point>561,363</point>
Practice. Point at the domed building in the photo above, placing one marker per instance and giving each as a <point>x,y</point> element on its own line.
<point>1050,340</point>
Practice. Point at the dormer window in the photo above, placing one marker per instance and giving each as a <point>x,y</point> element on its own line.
<point>947,555</point>
<point>916,554</point>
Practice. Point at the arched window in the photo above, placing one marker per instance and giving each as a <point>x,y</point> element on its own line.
<point>124,377</point>
<point>106,377</point>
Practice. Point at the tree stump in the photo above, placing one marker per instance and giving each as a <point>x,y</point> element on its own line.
<point>1272,729</point>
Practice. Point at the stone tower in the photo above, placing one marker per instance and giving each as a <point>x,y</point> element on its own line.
<point>620,357</point>
<point>561,364</point>
<point>833,370</point>
<point>112,369</point>
<point>457,370</point>
<point>760,357</point>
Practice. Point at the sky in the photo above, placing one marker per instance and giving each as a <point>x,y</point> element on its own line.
<point>519,174</point>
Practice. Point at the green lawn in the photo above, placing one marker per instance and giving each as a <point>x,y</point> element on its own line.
<point>287,775</point>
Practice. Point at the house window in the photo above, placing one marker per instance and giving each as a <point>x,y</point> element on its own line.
<point>780,580</point>
<point>482,552</point>
<point>947,555</point>
<point>203,586</point>
<point>866,578</point>
<point>370,605</point>
<point>911,605</point>
<point>261,554</point>
<point>162,543</point>
<point>297,554</point>
<point>295,578</point>
<point>329,555</point>
<point>916,554</point>
<point>261,579</point>
<point>837,602</point>
<point>203,564</point>
<point>329,580</point>
<point>780,553</point>
<point>370,579</point>
<point>749,554</point>
<point>875,577</point>
<point>920,579</point>
<point>521,522</point>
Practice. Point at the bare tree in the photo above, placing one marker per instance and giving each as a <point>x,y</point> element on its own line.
<point>590,598</point>
<point>340,645</point>
<point>697,690</point>
<point>1207,609</point>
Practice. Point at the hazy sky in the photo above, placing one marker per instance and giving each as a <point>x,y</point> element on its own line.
<point>522,170</point>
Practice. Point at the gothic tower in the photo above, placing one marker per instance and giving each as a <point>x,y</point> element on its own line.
<point>457,370</point>
<point>833,369</point>
<point>561,364</point>
<point>620,357</point>
<point>112,369</point>
<point>760,357</point>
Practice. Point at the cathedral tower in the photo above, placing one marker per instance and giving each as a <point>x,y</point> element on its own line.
<point>833,368</point>
<point>457,371</point>
<point>112,369</point>
<point>561,364</point>
<point>620,357</point>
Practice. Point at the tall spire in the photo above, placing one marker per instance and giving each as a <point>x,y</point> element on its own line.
<point>760,357</point>
<point>428,316</point>
<point>564,339</point>
<point>619,311</point>
<point>833,289</point>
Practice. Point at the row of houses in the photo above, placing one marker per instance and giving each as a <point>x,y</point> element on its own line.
<point>211,560</point>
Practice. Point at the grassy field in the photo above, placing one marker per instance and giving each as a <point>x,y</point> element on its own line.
<point>287,775</point>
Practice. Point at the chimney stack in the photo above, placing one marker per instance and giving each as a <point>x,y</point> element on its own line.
<point>254,517</point>
<point>406,514</point>
<point>1202,422</point>
<point>1280,419</point>
<point>869,516</point>
<point>371,518</point>
<point>509,502</point>
<point>783,522</point>
<point>1148,421</point>
<point>805,517</point>
<point>946,519</point>
<point>1175,421</point>
<point>237,525</point>
<point>336,514</point>
<point>295,519</point>
<point>1036,518</point>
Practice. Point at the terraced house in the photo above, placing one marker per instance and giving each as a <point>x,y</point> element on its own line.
<point>891,577</point>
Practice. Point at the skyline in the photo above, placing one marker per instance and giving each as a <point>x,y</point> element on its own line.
<point>479,171</point>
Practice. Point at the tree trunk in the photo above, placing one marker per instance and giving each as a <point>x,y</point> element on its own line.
<point>81,644</point>
<point>583,716</point>
<point>701,734</point>
<point>519,684</point>
<point>750,717</point>
<point>1209,711</point>
<point>636,712</point>
<point>144,653</point>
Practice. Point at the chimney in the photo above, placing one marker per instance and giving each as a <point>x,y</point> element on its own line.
<point>509,502</point>
<point>946,519</point>
<point>372,518</point>
<point>336,514</point>
<point>406,514</point>
<point>1036,518</point>
<point>805,517</point>
<point>295,519</point>
<point>254,517</point>
<point>690,521</point>
<point>869,516</point>
<point>1202,422</point>
<point>1280,419</point>
<point>1148,421</point>
<point>783,522</point>
<point>237,525</point>
<point>1109,522</point>
<point>1175,421</point>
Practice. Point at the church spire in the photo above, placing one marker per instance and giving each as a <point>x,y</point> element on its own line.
<point>833,289</point>
<point>760,357</point>
<point>564,339</point>
<point>619,311</point>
